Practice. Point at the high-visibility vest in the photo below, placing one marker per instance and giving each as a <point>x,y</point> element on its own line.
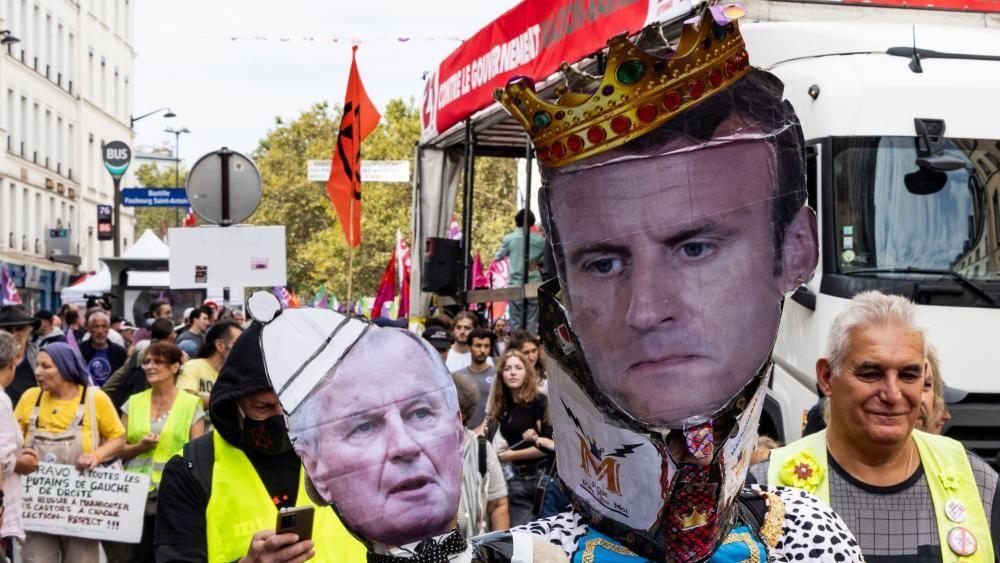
<point>239,506</point>
<point>949,478</point>
<point>176,431</point>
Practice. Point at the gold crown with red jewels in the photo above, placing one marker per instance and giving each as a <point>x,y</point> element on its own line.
<point>640,91</point>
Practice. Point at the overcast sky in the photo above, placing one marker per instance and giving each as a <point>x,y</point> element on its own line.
<point>228,92</point>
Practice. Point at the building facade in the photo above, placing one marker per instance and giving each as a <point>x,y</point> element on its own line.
<point>65,89</point>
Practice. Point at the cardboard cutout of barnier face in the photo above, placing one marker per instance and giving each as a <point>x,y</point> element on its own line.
<point>675,252</point>
<point>374,416</point>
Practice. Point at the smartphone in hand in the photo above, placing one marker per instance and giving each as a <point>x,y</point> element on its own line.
<point>297,520</point>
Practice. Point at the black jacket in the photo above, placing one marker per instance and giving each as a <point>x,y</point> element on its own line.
<point>116,354</point>
<point>24,379</point>
<point>186,484</point>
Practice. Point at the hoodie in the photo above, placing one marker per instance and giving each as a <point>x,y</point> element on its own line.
<point>186,484</point>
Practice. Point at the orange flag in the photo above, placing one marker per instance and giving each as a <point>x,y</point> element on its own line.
<point>344,186</point>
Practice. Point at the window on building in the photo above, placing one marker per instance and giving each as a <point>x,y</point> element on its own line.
<point>45,66</point>
<point>90,75</point>
<point>60,147</point>
<point>36,244</point>
<point>25,38</point>
<point>10,123</point>
<point>60,63</point>
<point>92,158</point>
<point>71,66</point>
<point>36,35</point>
<point>36,131</point>
<point>71,152</point>
<point>12,232</point>
<point>116,111</point>
<point>23,229</point>
<point>49,137</point>
<point>23,129</point>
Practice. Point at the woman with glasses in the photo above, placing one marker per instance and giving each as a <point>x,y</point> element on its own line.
<point>67,421</point>
<point>159,421</point>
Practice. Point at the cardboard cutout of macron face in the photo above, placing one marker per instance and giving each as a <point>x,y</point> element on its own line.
<point>374,416</point>
<point>673,196</point>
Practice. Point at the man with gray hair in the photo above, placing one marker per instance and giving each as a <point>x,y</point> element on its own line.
<point>103,356</point>
<point>907,495</point>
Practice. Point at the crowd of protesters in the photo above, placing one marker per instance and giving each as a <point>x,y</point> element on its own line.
<point>86,388</point>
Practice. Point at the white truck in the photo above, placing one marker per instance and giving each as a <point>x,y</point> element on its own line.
<point>904,173</point>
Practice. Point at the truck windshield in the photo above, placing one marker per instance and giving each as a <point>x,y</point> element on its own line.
<point>890,215</point>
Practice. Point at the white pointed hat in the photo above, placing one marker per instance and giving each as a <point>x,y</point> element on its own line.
<point>301,345</point>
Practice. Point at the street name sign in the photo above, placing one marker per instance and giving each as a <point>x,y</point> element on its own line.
<point>155,197</point>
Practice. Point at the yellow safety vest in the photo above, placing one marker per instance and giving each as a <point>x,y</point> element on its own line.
<point>949,478</point>
<point>239,506</point>
<point>176,431</point>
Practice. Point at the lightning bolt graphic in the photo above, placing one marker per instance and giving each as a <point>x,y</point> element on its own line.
<point>576,420</point>
<point>624,450</point>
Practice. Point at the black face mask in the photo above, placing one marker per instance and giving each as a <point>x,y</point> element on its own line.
<point>268,436</point>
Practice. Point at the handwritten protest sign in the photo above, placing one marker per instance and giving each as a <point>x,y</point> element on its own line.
<point>102,504</point>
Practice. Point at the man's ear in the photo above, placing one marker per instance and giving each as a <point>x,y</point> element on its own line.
<point>799,250</point>
<point>823,376</point>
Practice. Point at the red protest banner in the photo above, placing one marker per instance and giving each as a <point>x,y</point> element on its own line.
<point>532,39</point>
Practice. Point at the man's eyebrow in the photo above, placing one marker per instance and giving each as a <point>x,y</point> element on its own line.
<point>868,365</point>
<point>703,228</point>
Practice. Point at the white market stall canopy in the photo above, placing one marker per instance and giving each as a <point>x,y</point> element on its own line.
<point>97,283</point>
<point>148,247</point>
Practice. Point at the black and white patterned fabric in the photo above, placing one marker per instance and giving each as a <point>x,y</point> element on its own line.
<point>427,551</point>
<point>812,532</point>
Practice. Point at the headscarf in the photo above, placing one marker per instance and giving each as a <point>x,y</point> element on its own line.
<point>68,361</point>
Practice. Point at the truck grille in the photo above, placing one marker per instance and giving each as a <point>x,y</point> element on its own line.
<point>976,423</point>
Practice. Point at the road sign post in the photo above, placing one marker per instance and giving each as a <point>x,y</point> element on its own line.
<point>117,157</point>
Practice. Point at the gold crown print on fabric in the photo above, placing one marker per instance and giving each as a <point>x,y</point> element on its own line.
<point>639,92</point>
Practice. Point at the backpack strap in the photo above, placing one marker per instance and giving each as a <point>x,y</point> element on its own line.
<point>482,456</point>
<point>754,508</point>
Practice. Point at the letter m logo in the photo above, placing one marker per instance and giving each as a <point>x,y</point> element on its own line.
<point>607,470</point>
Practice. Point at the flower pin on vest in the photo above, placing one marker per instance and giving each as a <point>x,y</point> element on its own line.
<point>802,472</point>
<point>949,479</point>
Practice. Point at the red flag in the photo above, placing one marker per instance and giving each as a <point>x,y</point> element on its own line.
<point>344,186</point>
<point>189,220</point>
<point>386,291</point>
<point>403,271</point>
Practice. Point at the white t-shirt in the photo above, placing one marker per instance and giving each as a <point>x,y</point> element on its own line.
<point>461,360</point>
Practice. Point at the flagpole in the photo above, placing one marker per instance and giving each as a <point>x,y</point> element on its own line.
<point>350,255</point>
